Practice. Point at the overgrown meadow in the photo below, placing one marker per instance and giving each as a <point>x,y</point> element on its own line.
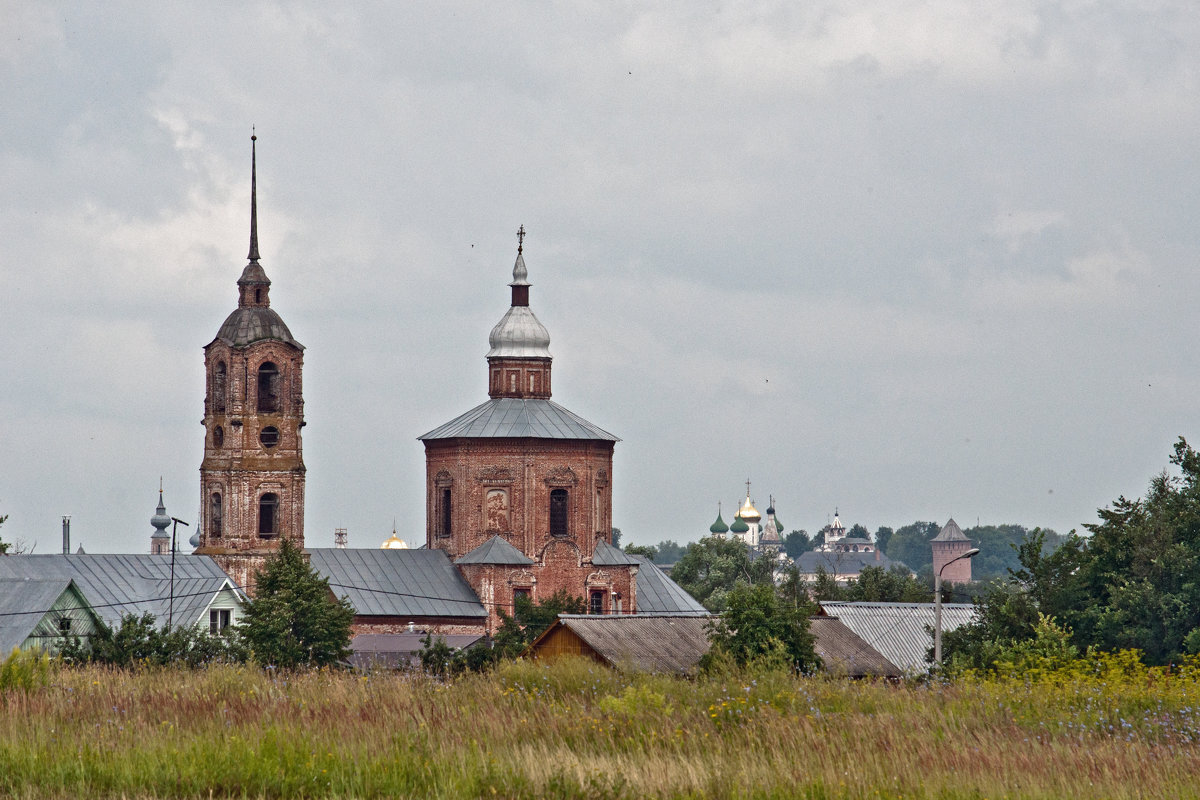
<point>1107,728</point>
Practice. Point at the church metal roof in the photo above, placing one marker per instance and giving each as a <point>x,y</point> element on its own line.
<point>658,594</point>
<point>120,585</point>
<point>605,555</point>
<point>495,550</point>
<point>399,583</point>
<point>254,324</point>
<point>519,418</point>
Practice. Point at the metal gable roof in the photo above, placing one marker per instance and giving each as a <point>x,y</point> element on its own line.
<point>496,550</point>
<point>605,555</point>
<point>658,594</point>
<point>519,418</point>
<point>900,631</point>
<point>403,583</point>
<point>117,585</point>
<point>23,603</point>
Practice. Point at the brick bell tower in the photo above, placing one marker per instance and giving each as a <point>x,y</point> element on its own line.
<point>252,476</point>
<point>519,489</point>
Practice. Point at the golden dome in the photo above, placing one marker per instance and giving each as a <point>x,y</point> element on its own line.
<point>393,542</point>
<point>749,512</point>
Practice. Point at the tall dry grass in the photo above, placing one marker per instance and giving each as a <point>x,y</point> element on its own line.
<point>575,729</point>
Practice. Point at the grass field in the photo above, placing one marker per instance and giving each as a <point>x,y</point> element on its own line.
<point>576,729</point>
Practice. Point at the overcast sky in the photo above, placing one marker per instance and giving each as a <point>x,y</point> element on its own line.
<point>910,260</point>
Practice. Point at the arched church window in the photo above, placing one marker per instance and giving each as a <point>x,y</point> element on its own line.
<point>218,437</point>
<point>219,387</point>
<point>268,388</point>
<point>558,512</point>
<point>214,515</point>
<point>268,514</point>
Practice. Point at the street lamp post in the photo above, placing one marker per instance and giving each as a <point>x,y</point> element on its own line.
<point>171,607</point>
<point>937,604</point>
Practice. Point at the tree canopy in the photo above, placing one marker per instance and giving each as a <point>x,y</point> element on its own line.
<point>711,567</point>
<point>756,625</point>
<point>294,619</point>
<point>1132,584</point>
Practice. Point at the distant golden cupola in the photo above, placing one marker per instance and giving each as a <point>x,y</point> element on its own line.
<point>749,512</point>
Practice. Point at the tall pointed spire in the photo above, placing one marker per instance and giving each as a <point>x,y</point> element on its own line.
<point>253,256</point>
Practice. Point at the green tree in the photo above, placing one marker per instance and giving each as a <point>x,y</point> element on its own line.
<point>1130,585</point>
<point>529,620</point>
<point>882,536</point>
<point>757,625</point>
<point>711,567</point>
<point>668,551</point>
<point>616,537</point>
<point>294,620</point>
<point>796,544</point>
<point>858,532</point>
<point>910,545</point>
<point>649,551</point>
<point>892,585</point>
<point>138,641</point>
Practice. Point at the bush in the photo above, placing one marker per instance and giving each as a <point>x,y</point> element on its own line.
<point>24,670</point>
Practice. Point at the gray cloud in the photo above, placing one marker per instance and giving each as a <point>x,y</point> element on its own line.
<point>910,259</point>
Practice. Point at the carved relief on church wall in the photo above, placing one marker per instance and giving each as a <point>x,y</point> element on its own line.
<point>496,511</point>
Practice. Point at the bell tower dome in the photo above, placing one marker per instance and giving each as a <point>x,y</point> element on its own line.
<point>519,358</point>
<point>252,476</point>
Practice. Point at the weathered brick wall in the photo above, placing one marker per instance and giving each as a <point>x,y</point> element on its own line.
<point>527,470</point>
<point>239,466</point>
<point>562,568</point>
<point>944,553</point>
<point>437,625</point>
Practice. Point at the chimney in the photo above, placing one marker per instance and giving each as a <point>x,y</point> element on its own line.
<point>66,536</point>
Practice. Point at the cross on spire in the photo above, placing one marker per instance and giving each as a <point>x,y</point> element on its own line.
<point>520,239</point>
<point>747,487</point>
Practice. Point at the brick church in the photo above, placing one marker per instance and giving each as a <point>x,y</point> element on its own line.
<point>518,489</point>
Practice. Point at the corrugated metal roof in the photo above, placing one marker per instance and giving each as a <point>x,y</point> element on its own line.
<point>519,418</point>
<point>117,585</point>
<point>496,550</point>
<point>647,643</point>
<point>405,583</point>
<point>658,594</point>
<point>843,652</point>
<point>841,563</point>
<point>605,555</point>
<point>900,631</point>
